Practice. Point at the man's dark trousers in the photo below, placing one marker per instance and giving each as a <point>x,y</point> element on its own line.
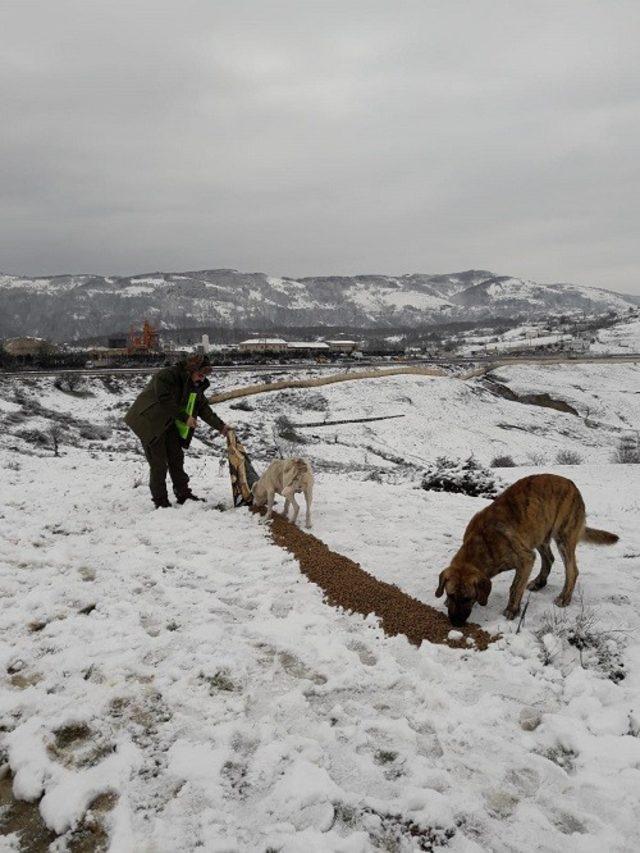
<point>166,454</point>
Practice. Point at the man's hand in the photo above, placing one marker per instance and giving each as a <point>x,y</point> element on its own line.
<point>192,422</point>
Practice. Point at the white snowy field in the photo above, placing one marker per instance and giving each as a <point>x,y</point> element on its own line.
<point>621,338</point>
<point>178,660</point>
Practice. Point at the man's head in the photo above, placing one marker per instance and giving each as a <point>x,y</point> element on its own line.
<point>464,585</point>
<point>198,367</point>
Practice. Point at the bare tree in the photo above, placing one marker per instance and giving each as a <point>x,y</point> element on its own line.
<point>55,434</point>
<point>70,382</point>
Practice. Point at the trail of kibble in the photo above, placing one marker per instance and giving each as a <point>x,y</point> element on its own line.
<point>347,585</point>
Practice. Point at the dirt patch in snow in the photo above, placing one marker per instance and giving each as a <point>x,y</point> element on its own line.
<point>24,819</point>
<point>498,389</point>
<point>346,584</point>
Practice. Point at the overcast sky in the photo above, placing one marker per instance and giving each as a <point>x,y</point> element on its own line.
<point>306,137</point>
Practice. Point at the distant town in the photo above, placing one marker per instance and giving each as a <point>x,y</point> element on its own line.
<point>148,345</point>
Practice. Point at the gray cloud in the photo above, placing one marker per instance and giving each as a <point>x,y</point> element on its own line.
<point>322,137</point>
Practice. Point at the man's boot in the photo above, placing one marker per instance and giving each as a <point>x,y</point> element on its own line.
<point>188,496</point>
<point>163,503</point>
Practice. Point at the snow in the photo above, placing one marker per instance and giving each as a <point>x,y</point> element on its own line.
<point>515,288</point>
<point>414,299</point>
<point>135,290</point>
<point>622,338</point>
<point>505,345</point>
<point>375,297</point>
<point>295,291</point>
<point>230,708</point>
<point>263,341</point>
<point>42,285</point>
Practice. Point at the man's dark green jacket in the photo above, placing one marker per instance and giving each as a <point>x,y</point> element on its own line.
<point>164,399</point>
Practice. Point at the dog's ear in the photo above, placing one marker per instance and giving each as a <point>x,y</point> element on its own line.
<point>483,588</point>
<point>441,582</point>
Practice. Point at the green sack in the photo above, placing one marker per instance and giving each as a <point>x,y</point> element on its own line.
<point>181,426</point>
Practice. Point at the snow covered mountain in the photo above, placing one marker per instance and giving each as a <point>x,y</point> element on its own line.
<point>70,307</point>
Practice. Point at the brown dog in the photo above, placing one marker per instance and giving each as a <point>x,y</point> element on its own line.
<point>503,536</point>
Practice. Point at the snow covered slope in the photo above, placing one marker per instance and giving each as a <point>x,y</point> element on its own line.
<point>71,307</point>
<point>178,661</point>
<point>621,338</point>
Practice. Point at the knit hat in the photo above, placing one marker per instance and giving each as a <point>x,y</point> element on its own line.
<point>199,363</point>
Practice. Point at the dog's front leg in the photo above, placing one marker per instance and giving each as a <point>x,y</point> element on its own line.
<point>523,571</point>
<point>287,504</point>
<point>270,497</point>
<point>296,509</point>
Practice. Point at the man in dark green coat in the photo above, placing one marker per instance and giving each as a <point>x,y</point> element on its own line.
<point>153,417</point>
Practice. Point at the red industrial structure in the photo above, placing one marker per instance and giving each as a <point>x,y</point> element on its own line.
<point>143,340</point>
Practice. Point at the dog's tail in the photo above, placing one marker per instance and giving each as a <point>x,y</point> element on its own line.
<point>599,537</point>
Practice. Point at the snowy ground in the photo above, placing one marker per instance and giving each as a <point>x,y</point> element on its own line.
<point>622,338</point>
<point>179,660</point>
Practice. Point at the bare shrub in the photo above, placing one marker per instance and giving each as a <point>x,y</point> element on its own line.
<point>71,383</point>
<point>466,477</point>
<point>568,457</point>
<point>36,437</point>
<point>94,432</point>
<point>314,402</point>
<point>242,406</point>
<point>580,629</point>
<point>503,462</point>
<point>537,459</point>
<point>117,423</point>
<point>111,384</point>
<point>13,418</point>
<point>286,430</point>
<point>628,450</point>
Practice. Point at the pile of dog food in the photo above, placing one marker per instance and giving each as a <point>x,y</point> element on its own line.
<point>347,585</point>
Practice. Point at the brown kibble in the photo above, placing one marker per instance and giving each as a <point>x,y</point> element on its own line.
<point>347,585</point>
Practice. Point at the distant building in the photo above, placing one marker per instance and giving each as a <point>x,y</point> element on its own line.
<point>312,347</point>
<point>117,342</point>
<point>204,347</point>
<point>579,345</point>
<point>263,345</point>
<point>27,346</point>
<point>343,346</point>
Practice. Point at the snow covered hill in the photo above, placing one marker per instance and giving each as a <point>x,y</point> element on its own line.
<point>169,681</point>
<point>72,307</point>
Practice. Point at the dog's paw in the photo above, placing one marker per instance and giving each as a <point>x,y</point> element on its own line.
<point>511,613</point>
<point>562,601</point>
<point>536,584</point>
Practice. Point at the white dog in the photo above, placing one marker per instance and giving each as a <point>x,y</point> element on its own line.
<point>287,477</point>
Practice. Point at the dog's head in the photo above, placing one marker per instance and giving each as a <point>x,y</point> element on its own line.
<point>464,585</point>
<point>259,494</point>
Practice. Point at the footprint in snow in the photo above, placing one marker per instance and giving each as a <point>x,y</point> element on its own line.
<point>366,656</point>
<point>298,669</point>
